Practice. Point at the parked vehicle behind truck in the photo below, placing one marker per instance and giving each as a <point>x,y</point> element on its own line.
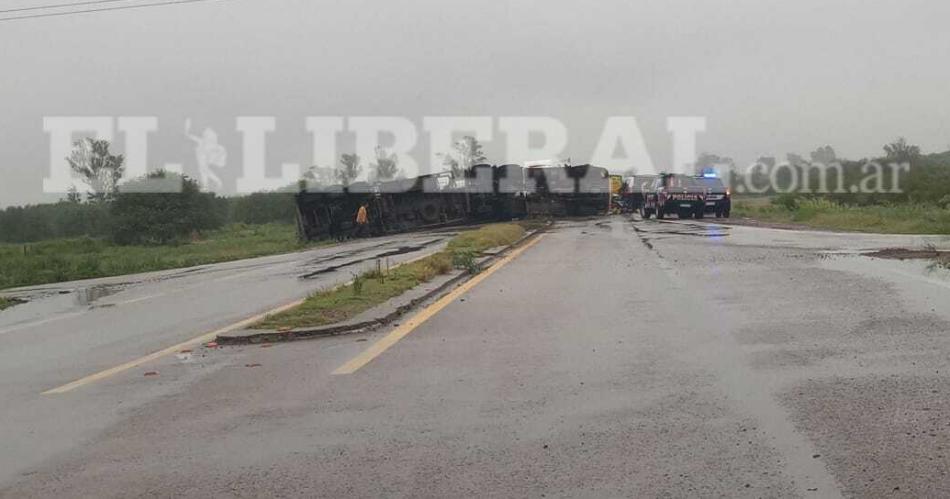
<point>633,190</point>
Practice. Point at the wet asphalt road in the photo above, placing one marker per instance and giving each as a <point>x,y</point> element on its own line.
<point>612,358</point>
<point>72,330</point>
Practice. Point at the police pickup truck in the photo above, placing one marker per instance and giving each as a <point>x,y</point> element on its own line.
<point>669,193</point>
<point>718,196</point>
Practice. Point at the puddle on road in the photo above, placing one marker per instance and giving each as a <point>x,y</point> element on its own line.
<point>14,301</point>
<point>346,253</point>
<point>925,269</point>
<point>661,228</point>
<point>87,296</point>
<point>931,253</point>
<point>394,252</point>
<point>918,285</point>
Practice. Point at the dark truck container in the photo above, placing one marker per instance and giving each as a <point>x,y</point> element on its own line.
<point>578,190</point>
<point>393,206</point>
<point>674,193</point>
<point>483,193</point>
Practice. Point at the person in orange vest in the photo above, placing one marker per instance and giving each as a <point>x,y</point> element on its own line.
<point>362,219</point>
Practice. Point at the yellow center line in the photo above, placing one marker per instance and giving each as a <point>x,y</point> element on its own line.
<point>190,343</point>
<point>167,351</point>
<point>383,344</point>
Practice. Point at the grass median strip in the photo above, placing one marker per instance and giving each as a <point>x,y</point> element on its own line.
<point>373,288</point>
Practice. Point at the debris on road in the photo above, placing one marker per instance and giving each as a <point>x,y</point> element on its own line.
<point>909,254</point>
<point>9,301</point>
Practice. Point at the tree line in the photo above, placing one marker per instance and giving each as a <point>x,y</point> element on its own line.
<point>141,211</point>
<point>159,208</point>
<point>127,221</point>
<point>164,207</point>
<point>925,181</point>
<point>464,153</point>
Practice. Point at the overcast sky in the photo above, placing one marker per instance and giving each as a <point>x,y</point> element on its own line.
<point>770,77</point>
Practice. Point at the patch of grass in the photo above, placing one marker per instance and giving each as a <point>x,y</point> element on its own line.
<point>7,302</point>
<point>487,237</point>
<point>83,258</point>
<point>534,223</point>
<point>374,287</point>
<point>822,213</point>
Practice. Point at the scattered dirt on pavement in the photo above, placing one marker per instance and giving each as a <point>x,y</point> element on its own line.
<point>911,254</point>
<point>907,416</point>
<point>751,222</point>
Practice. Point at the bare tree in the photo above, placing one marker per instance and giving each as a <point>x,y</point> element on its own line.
<point>466,152</point>
<point>99,169</point>
<point>386,166</point>
<point>768,162</point>
<point>73,196</point>
<point>900,151</point>
<point>350,169</point>
<point>319,175</point>
<point>824,155</point>
<point>714,161</point>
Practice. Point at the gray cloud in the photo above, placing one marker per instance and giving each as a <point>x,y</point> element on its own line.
<point>771,77</point>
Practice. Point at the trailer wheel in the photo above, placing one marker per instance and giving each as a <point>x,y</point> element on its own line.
<point>430,213</point>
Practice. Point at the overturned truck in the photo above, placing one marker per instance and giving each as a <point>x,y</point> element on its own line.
<point>480,194</point>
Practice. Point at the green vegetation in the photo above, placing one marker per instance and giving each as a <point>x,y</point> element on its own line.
<point>82,258</point>
<point>7,302</point>
<point>870,195</point>
<point>367,290</point>
<point>72,219</point>
<point>159,221</point>
<point>375,287</point>
<point>261,208</point>
<point>486,237</point>
<point>873,194</point>
<point>161,208</point>
<point>65,219</point>
<point>904,218</point>
<point>158,208</point>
